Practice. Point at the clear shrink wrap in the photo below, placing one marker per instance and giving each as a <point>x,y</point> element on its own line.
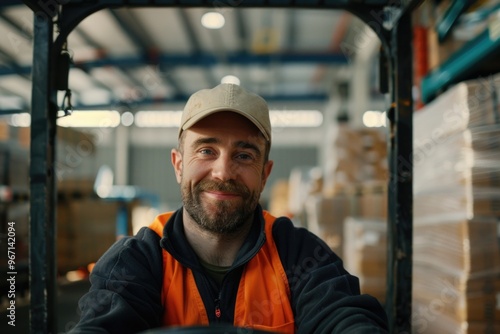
<point>456,253</point>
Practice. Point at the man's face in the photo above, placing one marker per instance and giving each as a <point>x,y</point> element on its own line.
<point>221,171</point>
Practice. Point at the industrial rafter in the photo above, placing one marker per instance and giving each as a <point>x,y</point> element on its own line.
<point>193,40</point>
<point>137,34</point>
<point>16,26</point>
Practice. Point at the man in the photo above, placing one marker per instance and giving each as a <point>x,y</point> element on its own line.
<point>221,258</point>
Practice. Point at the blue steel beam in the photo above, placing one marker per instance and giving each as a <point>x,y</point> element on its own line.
<point>469,60</point>
<point>177,99</point>
<point>445,24</point>
<point>201,60</point>
<point>240,58</point>
<point>22,70</point>
<point>182,98</point>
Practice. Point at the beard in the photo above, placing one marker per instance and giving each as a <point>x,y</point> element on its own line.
<point>221,217</point>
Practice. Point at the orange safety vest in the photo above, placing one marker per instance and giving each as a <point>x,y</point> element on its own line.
<point>263,300</point>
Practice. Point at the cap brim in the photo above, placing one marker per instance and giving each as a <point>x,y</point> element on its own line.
<point>195,119</point>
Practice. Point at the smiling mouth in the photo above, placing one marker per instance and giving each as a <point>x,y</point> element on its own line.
<point>222,195</point>
<point>221,191</point>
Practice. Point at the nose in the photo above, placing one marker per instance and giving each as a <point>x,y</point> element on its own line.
<point>224,168</point>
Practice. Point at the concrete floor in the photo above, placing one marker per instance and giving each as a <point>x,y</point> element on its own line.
<point>67,310</point>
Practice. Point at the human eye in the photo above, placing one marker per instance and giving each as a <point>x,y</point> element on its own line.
<point>244,156</point>
<point>246,151</point>
<point>206,151</point>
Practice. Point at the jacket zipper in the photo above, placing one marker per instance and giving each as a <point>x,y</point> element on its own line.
<point>217,310</point>
<point>217,301</point>
<point>217,307</point>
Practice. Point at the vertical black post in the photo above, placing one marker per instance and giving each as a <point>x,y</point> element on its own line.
<point>42,183</point>
<point>400,225</point>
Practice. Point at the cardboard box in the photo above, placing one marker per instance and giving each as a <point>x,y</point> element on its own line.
<point>86,229</point>
<point>4,130</point>
<point>24,137</point>
<point>460,297</point>
<point>303,182</point>
<point>325,218</point>
<point>373,205</point>
<point>365,253</point>
<point>354,156</point>
<point>278,199</point>
<point>469,246</point>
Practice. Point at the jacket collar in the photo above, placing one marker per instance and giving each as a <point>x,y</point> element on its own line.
<point>175,242</point>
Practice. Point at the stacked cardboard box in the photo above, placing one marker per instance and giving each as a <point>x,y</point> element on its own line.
<point>303,182</point>
<point>456,271</point>
<point>370,200</point>
<point>86,229</point>
<point>365,254</point>
<point>456,208</point>
<point>354,183</point>
<point>325,218</point>
<point>354,156</point>
<point>278,199</point>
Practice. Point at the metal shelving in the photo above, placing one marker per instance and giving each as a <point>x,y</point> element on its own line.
<point>472,60</point>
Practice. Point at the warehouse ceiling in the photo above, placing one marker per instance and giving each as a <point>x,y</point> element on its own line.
<point>149,58</point>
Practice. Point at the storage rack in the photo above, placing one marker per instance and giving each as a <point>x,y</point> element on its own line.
<point>390,20</point>
<point>473,59</point>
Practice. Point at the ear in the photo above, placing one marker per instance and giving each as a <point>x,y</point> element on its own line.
<point>176,158</point>
<point>266,172</point>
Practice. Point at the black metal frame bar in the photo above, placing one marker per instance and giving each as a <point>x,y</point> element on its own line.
<point>42,251</point>
<point>400,195</point>
<point>396,42</point>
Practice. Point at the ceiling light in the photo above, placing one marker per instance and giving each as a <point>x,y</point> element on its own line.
<point>231,79</point>
<point>213,20</point>
<point>127,118</point>
<point>91,119</point>
<point>279,118</point>
<point>296,118</point>
<point>158,119</point>
<point>22,120</point>
<point>374,119</point>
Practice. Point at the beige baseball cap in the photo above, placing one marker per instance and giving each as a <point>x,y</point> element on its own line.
<point>227,97</point>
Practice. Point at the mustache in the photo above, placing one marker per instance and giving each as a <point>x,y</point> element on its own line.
<point>228,186</point>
